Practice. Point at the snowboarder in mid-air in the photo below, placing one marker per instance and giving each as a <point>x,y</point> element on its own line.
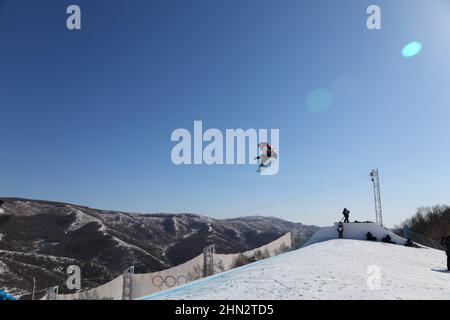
<point>445,242</point>
<point>346,214</point>
<point>267,155</point>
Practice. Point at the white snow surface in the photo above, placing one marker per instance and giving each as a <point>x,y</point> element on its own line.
<point>3,267</point>
<point>334,269</point>
<point>81,219</point>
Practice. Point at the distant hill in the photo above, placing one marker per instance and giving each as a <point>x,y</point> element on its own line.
<point>41,238</point>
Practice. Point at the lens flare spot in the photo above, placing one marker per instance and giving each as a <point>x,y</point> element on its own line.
<point>319,100</point>
<point>411,49</point>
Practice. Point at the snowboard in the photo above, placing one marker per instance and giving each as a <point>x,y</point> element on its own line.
<point>261,169</point>
<point>442,270</point>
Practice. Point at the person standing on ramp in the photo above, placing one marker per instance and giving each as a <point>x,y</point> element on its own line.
<point>445,242</point>
<point>346,214</point>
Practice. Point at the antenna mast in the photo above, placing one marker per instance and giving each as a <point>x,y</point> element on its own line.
<point>377,196</point>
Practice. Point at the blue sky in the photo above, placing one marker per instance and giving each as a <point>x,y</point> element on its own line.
<point>87,115</point>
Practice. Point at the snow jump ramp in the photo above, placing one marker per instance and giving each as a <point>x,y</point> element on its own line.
<point>334,269</point>
<point>354,231</point>
<point>330,268</point>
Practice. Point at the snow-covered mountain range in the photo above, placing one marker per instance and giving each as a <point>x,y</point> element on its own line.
<point>41,238</point>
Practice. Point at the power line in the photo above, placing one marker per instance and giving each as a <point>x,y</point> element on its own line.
<point>325,188</point>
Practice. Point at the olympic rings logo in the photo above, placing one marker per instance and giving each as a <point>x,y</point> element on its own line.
<point>168,281</point>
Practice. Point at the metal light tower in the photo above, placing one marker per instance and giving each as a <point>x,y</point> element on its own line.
<point>208,261</point>
<point>127,287</point>
<point>376,192</point>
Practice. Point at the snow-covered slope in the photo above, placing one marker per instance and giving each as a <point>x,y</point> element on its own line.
<point>335,269</point>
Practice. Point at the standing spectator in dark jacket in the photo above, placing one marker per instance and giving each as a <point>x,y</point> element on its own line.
<point>340,230</point>
<point>445,242</point>
<point>346,214</point>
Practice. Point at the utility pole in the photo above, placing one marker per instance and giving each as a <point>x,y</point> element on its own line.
<point>301,231</point>
<point>34,288</point>
<point>377,195</point>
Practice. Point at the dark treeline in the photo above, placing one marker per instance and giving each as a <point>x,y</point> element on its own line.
<point>431,222</point>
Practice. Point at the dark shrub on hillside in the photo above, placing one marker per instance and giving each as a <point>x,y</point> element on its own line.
<point>242,260</point>
<point>431,222</point>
